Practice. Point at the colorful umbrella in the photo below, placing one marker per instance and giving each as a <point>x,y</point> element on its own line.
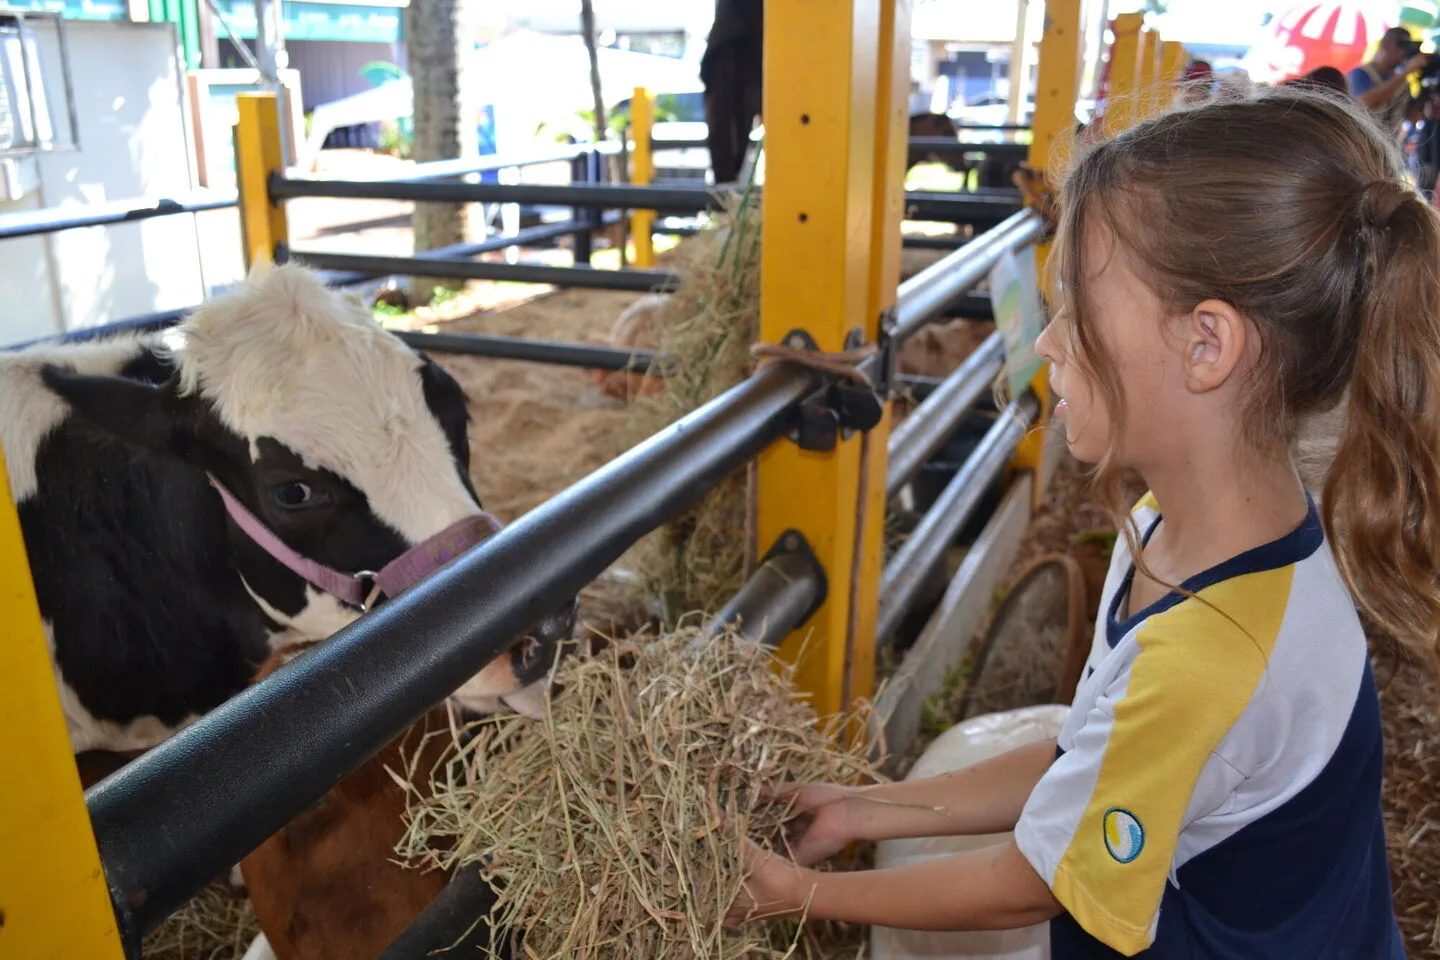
<point>1310,35</point>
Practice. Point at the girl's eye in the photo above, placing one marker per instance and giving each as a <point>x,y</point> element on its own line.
<point>294,495</point>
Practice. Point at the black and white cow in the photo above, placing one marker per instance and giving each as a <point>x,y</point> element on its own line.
<point>332,441</point>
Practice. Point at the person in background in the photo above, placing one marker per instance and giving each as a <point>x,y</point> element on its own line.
<point>1321,79</point>
<point>1382,86</point>
<point>1196,83</point>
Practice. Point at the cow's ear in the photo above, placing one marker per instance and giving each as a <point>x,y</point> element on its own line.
<point>150,416</point>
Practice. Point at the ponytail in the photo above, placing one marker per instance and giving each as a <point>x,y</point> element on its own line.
<point>1381,496</point>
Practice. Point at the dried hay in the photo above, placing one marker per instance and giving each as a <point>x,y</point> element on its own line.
<point>218,924</point>
<point>697,561</point>
<point>1411,796</point>
<point>614,826</point>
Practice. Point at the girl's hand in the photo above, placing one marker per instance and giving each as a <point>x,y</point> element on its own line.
<point>773,887</point>
<point>825,825</point>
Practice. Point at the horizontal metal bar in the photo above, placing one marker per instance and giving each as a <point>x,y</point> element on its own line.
<point>588,277</point>
<point>777,599</point>
<point>930,424</point>
<point>141,324</point>
<point>924,295</point>
<point>529,236</point>
<point>980,210</point>
<point>51,220</point>
<point>944,145</point>
<point>591,195</point>
<point>913,241</point>
<point>448,923</point>
<point>593,357</point>
<point>923,550</point>
<point>183,813</point>
<point>446,169</point>
<point>1013,127</point>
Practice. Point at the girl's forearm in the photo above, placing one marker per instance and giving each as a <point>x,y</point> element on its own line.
<point>984,798</point>
<point>993,888</point>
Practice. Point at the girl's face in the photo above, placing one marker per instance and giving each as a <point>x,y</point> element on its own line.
<point>1126,321</point>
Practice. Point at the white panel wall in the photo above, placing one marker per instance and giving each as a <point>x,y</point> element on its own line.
<point>133,144</point>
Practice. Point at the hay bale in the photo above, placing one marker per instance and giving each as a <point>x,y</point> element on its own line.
<point>705,330</point>
<point>218,924</point>
<point>614,826</point>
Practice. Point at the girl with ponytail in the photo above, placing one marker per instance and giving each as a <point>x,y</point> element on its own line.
<point>1247,313</point>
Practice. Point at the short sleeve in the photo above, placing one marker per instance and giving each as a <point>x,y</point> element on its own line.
<point>1102,825</point>
<point>1360,81</point>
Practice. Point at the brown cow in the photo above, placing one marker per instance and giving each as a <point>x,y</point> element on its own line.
<point>328,884</point>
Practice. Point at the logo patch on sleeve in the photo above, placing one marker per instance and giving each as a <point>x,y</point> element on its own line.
<point>1124,836</point>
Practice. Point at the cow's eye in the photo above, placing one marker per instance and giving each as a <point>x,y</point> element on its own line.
<point>295,495</point>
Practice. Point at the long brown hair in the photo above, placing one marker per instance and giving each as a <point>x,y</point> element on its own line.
<point>1291,206</point>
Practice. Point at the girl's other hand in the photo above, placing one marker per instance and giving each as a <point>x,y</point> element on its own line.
<point>773,887</point>
<point>824,826</point>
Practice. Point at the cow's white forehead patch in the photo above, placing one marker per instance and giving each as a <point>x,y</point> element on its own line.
<point>288,358</point>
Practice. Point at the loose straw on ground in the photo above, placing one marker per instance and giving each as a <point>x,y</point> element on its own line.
<point>613,827</point>
<point>217,925</point>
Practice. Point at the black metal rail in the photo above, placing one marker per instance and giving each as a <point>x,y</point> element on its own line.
<point>980,208</point>
<point>924,295</point>
<point>527,237</point>
<point>930,424</point>
<point>50,220</point>
<point>176,818</point>
<point>945,146</point>
<point>588,277</point>
<point>593,357</point>
<point>449,169</point>
<point>923,550</point>
<point>600,195</point>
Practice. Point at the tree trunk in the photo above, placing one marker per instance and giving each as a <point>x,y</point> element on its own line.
<point>587,28</point>
<point>444,124</point>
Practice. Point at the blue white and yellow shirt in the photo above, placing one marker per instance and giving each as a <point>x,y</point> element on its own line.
<point>1216,792</point>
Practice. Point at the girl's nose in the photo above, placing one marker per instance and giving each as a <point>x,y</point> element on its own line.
<point>1044,345</point>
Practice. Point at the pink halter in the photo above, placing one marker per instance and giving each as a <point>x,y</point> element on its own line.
<point>363,588</point>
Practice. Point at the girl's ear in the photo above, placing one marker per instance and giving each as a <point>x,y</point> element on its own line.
<point>1214,339</point>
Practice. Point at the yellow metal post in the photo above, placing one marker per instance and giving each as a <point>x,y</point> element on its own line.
<point>822,69</point>
<point>1172,63</point>
<point>1148,65</point>
<point>642,172</point>
<point>54,903</point>
<point>1057,86</point>
<point>892,131</point>
<point>258,154</point>
<point>1120,112</point>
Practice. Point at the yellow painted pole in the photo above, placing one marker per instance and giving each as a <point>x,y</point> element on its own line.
<point>642,172</point>
<point>54,903</point>
<point>1148,64</point>
<point>820,106</point>
<point>1172,63</point>
<point>1057,86</point>
<point>258,153</point>
<point>892,131</point>
<point>1120,112</point>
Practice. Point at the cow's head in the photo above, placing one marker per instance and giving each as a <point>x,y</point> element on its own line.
<point>346,444</point>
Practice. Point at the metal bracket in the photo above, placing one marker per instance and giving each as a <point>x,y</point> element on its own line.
<point>768,607</point>
<point>838,409</point>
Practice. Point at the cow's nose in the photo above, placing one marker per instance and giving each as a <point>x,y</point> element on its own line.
<point>551,638</point>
